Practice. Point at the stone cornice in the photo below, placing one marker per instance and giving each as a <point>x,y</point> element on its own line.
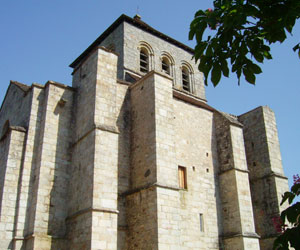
<point>268,175</point>
<point>11,128</point>
<point>91,209</point>
<point>244,235</point>
<point>149,74</point>
<point>148,186</point>
<point>234,168</point>
<point>103,127</point>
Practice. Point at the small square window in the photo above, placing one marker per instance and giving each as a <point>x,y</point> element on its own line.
<point>182,180</point>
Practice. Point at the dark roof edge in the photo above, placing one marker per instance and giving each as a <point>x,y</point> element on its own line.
<point>137,23</point>
<point>20,85</point>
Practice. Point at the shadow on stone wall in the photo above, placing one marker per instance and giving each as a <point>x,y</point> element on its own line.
<point>4,144</point>
<point>124,126</point>
<point>58,209</point>
<point>30,208</point>
<point>216,169</point>
<point>19,189</point>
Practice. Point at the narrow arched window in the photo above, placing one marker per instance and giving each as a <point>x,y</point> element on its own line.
<point>144,60</point>
<point>165,65</point>
<point>186,81</point>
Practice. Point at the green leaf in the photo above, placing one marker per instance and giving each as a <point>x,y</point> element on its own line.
<point>287,196</point>
<point>293,237</point>
<point>296,189</point>
<point>258,57</point>
<point>293,212</point>
<point>191,33</point>
<point>243,49</point>
<point>249,75</point>
<point>224,67</point>
<point>280,243</point>
<point>209,51</point>
<point>267,55</point>
<point>199,13</point>
<point>216,74</point>
<point>243,28</point>
<point>255,68</point>
<point>199,31</point>
<point>296,47</point>
<point>199,49</point>
<point>205,66</point>
<point>283,216</point>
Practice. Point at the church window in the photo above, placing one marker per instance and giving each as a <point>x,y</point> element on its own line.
<point>182,180</point>
<point>186,84</point>
<point>201,222</point>
<point>165,65</point>
<point>144,60</point>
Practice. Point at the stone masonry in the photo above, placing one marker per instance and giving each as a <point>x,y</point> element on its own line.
<point>132,156</point>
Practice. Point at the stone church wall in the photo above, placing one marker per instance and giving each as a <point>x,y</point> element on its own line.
<point>196,150</point>
<point>133,39</point>
<point>16,108</point>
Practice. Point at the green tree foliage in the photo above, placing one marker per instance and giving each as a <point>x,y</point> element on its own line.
<point>243,31</point>
<point>289,235</point>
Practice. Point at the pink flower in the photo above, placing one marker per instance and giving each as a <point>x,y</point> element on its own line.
<point>296,179</point>
<point>210,10</point>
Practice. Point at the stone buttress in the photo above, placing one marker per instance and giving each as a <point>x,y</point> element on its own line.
<point>237,213</point>
<point>267,180</point>
<point>153,203</point>
<point>92,220</point>
<point>11,160</point>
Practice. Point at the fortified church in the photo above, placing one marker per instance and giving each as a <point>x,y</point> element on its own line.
<point>132,156</point>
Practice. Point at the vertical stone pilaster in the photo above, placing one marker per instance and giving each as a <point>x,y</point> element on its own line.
<point>267,179</point>
<point>237,214</point>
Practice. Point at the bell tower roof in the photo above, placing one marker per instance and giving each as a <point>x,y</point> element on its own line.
<point>137,22</point>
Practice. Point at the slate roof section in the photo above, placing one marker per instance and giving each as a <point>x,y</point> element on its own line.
<point>137,22</point>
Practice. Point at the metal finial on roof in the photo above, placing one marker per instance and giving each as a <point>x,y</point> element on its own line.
<point>137,16</point>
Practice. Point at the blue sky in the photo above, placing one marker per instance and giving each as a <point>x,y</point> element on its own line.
<point>39,39</point>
